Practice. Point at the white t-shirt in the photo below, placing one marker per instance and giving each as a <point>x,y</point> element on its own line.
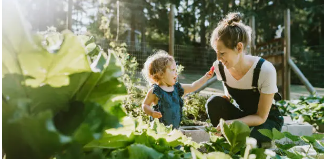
<point>266,82</point>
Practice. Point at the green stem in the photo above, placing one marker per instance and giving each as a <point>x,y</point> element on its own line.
<point>246,155</point>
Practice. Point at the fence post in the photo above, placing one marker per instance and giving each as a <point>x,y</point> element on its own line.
<point>253,35</point>
<point>171,30</point>
<point>69,15</point>
<point>287,49</point>
<point>253,29</point>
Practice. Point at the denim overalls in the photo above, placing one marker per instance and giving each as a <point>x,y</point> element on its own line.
<point>169,104</point>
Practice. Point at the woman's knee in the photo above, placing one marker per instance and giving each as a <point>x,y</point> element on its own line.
<point>214,103</point>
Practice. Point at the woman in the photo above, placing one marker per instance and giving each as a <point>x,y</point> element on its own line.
<point>249,80</point>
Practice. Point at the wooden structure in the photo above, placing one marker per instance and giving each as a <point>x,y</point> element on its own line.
<point>273,51</point>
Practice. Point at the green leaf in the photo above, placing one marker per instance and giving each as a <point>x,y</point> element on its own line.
<point>41,80</point>
<point>277,135</point>
<point>86,39</point>
<point>219,155</point>
<point>235,134</point>
<point>292,137</point>
<point>100,62</point>
<point>196,154</point>
<point>104,87</point>
<point>318,136</point>
<point>284,146</point>
<point>110,141</point>
<point>308,139</point>
<point>228,134</point>
<point>267,133</point>
<point>75,150</point>
<point>30,135</point>
<point>159,127</point>
<point>119,154</point>
<point>138,151</point>
<point>318,146</point>
<point>259,152</point>
<point>293,155</point>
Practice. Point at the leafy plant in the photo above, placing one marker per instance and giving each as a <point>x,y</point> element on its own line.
<point>136,139</point>
<point>310,108</point>
<point>233,140</point>
<point>55,97</point>
<point>194,111</point>
<point>235,134</point>
<point>136,92</point>
<point>287,149</point>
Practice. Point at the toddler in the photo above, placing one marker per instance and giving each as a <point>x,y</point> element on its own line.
<point>160,70</point>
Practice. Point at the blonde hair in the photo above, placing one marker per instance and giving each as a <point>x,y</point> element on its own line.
<point>155,66</point>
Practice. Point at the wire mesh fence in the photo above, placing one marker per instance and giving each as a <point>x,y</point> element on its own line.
<point>198,60</point>
<point>133,24</point>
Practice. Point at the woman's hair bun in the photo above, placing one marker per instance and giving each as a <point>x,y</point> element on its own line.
<point>233,17</point>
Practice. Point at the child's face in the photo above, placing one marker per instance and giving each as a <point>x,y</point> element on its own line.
<point>229,57</point>
<point>170,74</point>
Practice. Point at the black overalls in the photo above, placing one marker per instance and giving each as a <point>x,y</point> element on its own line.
<point>217,107</point>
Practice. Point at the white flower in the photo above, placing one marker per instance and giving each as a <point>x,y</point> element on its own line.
<point>251,141</point>
<point>270,153</point>
<point>252,156</point>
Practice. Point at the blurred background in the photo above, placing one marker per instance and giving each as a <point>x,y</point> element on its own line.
<point>144,26</point>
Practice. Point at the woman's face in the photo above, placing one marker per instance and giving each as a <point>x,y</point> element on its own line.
<point>228,57</point>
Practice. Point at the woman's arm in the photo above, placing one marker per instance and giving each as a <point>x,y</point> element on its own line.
<point>264,105</point>
<point>149,99</point>
<point>197,84</point>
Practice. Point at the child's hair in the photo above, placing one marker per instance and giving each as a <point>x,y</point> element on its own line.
<point>155,66</point>
<point>231,31</point>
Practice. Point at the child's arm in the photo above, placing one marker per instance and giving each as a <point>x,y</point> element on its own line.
<point>197,84</point>
<point>149,99</point>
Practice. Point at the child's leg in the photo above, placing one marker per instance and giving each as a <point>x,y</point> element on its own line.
<point>217,107</point>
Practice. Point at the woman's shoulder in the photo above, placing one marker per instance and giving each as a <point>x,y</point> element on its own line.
<point>267,70</point>
<point>266,66</point>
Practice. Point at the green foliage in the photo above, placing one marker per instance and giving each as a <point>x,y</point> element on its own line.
<point>311,109</point>
<point>53,96</point>
<point>136,139</point>
<point>212,155</point>
<point>234,140</point>
<point>194,111</point>
<point>235,134</point>
<point>273,135</point>
<point>285,149</point>
<point>136,93</point>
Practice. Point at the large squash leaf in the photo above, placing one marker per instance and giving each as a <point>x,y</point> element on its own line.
<point>47,101</point>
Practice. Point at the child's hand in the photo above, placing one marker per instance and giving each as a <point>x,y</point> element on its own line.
<point>211,71</point>
<point>208,75</point>
<point>156,114</point>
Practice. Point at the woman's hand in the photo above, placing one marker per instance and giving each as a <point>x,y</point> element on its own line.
<point>156,114</point>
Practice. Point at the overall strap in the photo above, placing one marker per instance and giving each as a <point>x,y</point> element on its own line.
<point>221,69</point>
<point>256,73</point>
